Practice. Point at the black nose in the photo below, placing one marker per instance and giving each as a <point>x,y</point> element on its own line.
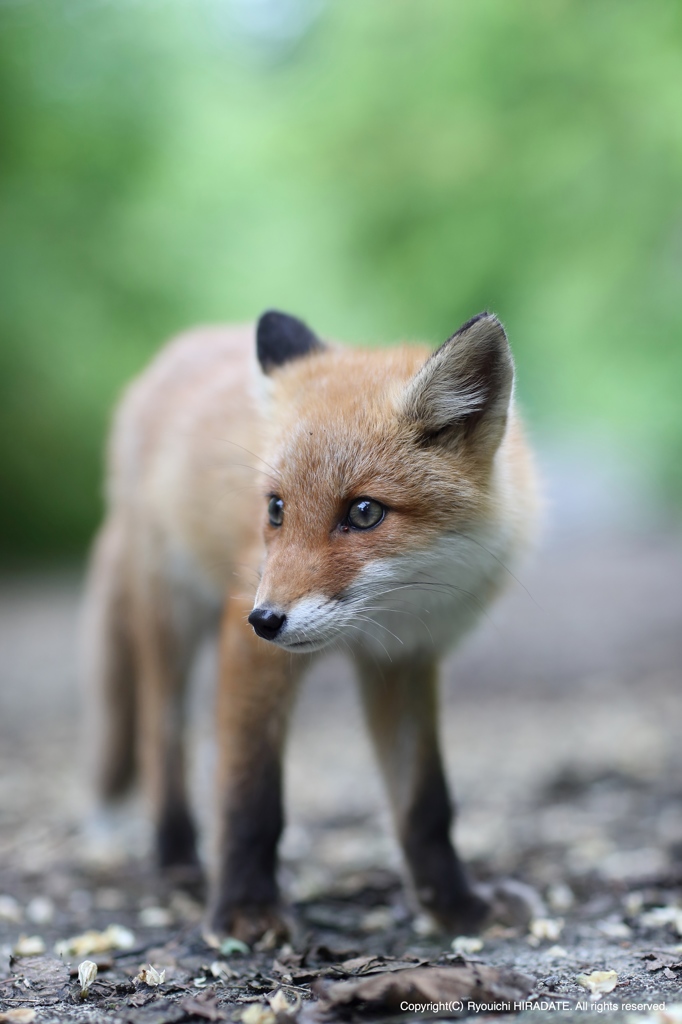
<point>266,622</point>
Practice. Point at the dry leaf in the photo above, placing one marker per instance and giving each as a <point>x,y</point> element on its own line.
<point>359,964</point>
<point>615,929</point>
<point>365,965</point>
<point>29,945</point>
<point>658,917</point>
<point>279,1004</point>
<point>660,959</point>
<point>87,972</point>
<point>598,982</point>
<point>465,945</point>
<point>379,919</point>
<point>150,976</point>
<point>227,946</point>
<point>115,936</point>
<point>425,925</point>
<point>23,1015</point>
<point>155,917</point>
<point>475,982</point>
<point>256,1013</point>
<point>221,971</point>
<point>556,953</point>
<point>546,928</point>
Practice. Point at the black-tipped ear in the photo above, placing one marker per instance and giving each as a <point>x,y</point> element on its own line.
<point>280,337</point>
<point>463,390</point>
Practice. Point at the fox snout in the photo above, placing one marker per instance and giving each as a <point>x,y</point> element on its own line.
<point>266,622</point>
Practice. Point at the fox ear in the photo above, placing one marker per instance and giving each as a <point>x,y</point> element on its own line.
<point>462,392</point>
<point>280,337</point>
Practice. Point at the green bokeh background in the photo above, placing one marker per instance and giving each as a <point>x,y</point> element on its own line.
<point>384,168</point>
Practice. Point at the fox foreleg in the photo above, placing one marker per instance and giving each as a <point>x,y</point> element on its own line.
<point>400,702</point>
<point>256,690</point>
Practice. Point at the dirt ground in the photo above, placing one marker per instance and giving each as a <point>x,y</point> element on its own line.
<point>562,726</point>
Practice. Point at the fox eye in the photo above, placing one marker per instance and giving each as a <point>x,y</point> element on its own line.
<point>365,513</point>
<point>275,511</point>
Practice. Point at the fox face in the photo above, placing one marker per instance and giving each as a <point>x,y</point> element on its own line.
<point>385,522</point>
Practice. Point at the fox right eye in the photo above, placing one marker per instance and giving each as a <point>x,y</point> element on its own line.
<point>275,511</point>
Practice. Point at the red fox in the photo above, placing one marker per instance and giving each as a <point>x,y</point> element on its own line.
<point>376,497</point>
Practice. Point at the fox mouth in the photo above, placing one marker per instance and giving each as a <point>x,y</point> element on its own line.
<point>303,646</point>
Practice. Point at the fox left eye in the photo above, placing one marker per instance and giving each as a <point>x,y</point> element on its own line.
<point>275,511</point>
<point>365,513</point>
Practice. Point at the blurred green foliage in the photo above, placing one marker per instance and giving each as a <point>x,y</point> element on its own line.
<point>401,165</point>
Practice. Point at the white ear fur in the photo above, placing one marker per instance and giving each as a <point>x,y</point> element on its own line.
<point>465,387</point>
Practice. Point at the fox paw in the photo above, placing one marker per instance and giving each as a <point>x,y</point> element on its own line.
<point>262,926</point>
<point>468,916</point>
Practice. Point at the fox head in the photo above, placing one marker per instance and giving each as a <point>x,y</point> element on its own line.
<point>386,496</point>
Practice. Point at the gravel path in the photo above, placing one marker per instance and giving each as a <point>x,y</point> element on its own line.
<point>562,726</point>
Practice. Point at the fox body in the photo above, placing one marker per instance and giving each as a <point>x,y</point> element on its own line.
<point>373,500</point>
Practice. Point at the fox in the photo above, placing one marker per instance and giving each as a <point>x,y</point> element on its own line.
<point>375,500</point>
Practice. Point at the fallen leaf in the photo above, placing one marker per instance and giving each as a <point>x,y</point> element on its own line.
<point>87,972</point>
<point>222,972</point>
<point>386,991</point>
<point>270,940</point>
<point>358,964</point>
<point>362,965</point>
<point>379,919</point>
<point>615,929</point>
<point>500,931</point>
<point>155,917</point>
<point>29,945</point>
<point>230,945</point>
<point>115,936</point>
<point>279,1004</point>
<point>546,928</point>
<point>256,1013</point>
<point>22,1015</point>
<point>465,945</point>
<point>598,982</point>
<point>560,897</point>
<point>556,953</point>
<point>661,958</point>
<point>150,976</point>
<point>659,917</point>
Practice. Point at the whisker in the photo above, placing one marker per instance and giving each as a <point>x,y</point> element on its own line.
<point>359,628</point>
<point>366,618</point>
<point>474,540</point>
<point>401,611</point>
<point>441,586</point>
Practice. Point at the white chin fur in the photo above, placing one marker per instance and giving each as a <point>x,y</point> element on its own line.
<point>424,600</point>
